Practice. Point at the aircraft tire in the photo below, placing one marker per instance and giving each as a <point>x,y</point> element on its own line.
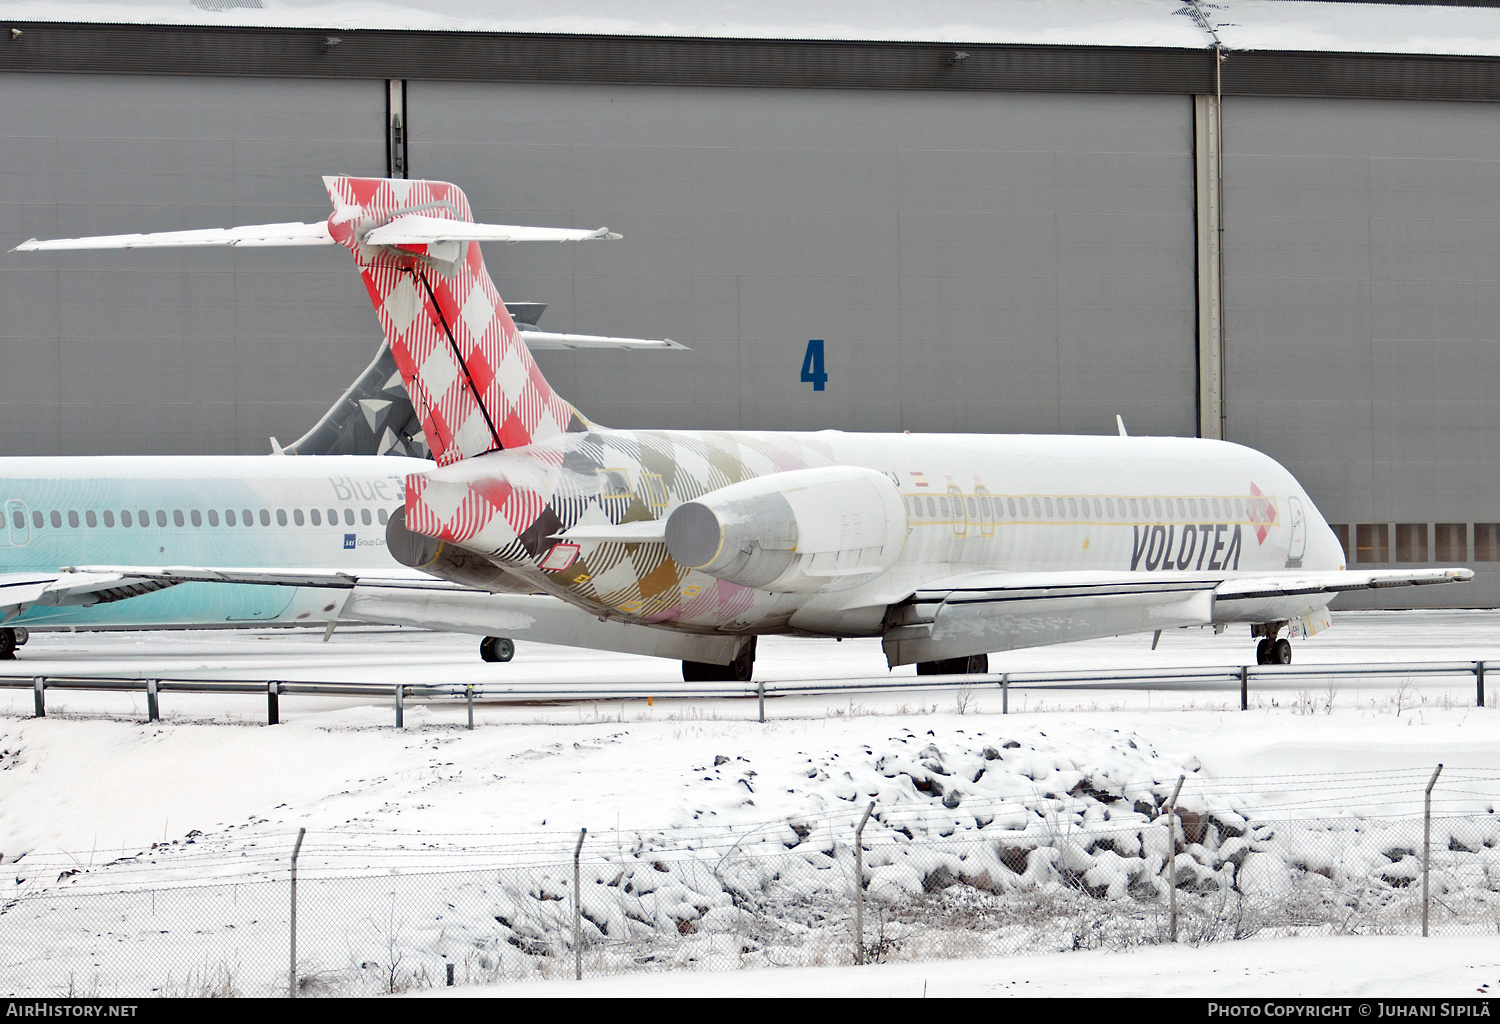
<point>740,670</point>
<point>1263,652</point>
<point>1281,652</point>
<point>8,644</point>
<point>497,648</point>
<point>974,665</point>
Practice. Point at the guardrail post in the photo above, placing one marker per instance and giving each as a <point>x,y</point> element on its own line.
<point>859,886</point>
<point>291,986</point>
<point>469,692</point>
<point>760,691</point>
<point>1479,683</point>
<point>39,687</point>
<point>400,711</point>
<point>1005,693</point>
<point>1172,855</point>
<point>153,713</point>
<point>578,910</point>
<point>1427,841</point>
<point>1244,687</point>
<point>273,704</point>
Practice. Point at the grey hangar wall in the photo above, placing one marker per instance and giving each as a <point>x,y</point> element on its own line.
<point>981,260</point>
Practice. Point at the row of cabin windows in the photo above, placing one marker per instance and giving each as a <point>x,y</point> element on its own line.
<point>1445,543</point>
<point>988,508</point>
<point>231,517</point>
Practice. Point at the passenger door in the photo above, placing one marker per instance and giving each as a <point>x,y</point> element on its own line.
<point>1298,543</point>
<point>17,530</point>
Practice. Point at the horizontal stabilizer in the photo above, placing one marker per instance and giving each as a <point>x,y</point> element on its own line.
<point>250,235</point>
<point>540,341</point>
<point>415,229</point>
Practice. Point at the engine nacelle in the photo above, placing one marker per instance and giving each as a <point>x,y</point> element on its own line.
<point>447,562</point>
<point>804,531</point>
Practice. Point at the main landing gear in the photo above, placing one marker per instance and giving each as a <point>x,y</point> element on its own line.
<point>976,664</point>
<point>497,648</point>
<point>10,639</point>
<point>737,671</point>
<point>1270,650</point>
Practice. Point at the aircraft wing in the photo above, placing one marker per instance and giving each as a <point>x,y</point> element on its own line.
<point>428,603</point>
<point>20,591</point>
<point>1293,582</point>
<point>982,612</point>
<point>330,578</point>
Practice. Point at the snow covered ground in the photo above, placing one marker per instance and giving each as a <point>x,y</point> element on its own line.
<point>93,799</point>
<point>1306,967</point>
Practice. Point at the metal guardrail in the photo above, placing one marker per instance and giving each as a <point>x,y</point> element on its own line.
<point>1216,678</point>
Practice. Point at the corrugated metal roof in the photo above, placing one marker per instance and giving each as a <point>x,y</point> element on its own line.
<point>1297,25</point>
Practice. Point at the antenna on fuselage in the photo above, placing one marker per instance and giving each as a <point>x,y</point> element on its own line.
<point>1120,422</point>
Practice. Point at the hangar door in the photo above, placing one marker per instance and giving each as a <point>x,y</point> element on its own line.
<point>1362,320</point>
<point>999,262</point>
<point>197,351</point>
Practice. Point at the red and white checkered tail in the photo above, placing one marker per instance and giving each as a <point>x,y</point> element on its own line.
<point>469,374</point>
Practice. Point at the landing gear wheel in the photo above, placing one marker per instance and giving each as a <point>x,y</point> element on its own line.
<point>737,671</point>
<point>977,664</point>
<point>1281,652</point>
<point>497,648</point>
<point>8,644</point>
<point>1263,652</point>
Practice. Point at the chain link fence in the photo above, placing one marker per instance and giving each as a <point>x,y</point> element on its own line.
<point>784,896</point>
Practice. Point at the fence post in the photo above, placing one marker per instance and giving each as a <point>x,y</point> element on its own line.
<point>578,911</point>
<point>39,686</point>
<point>1479,683</point>
<point>1172,856</point>
<point>859,886</point>
<point>273,704</point>
<point>469,691</point>
<point>1005,693</point>
<point>400,711</point>
<point>1427,841</point>
<point>291,975</point>
<point>760,689</point>
<point>153,713</point>
<point>1244,687</point>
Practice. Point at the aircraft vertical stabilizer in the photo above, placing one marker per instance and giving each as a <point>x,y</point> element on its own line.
<point>469,374</point>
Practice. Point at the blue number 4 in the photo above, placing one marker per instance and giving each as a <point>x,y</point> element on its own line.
<point>812,365</point>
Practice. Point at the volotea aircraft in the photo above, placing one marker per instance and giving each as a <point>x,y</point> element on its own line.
<point>690,544</point>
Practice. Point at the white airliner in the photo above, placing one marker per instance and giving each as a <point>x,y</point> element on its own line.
<point>690,544</point>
